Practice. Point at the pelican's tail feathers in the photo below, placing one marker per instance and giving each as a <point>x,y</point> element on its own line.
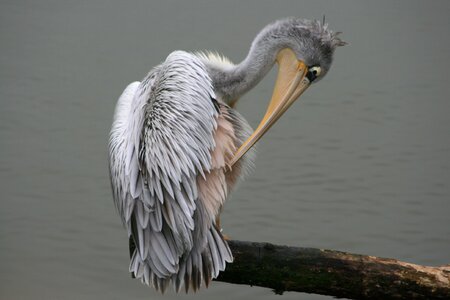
<point>202,266</point>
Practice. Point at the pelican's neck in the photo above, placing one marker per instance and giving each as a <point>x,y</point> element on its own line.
<point>231,82</point>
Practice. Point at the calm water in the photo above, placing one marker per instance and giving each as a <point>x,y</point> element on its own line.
<point>361,164</point>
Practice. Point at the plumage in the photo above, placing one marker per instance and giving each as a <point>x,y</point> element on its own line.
<point>175,151</point>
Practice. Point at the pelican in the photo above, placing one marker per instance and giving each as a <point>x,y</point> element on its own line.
<point>178,147</point>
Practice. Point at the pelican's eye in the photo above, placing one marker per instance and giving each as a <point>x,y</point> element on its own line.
<point>316,70</point>
<point>313,73</point>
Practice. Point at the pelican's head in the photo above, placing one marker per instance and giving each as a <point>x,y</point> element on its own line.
<point>311,42</point>
<point>303,50</point>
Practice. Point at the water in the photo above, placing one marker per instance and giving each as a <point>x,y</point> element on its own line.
<point>360,164</point>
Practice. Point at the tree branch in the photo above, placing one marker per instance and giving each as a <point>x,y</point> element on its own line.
<point>334,273</point>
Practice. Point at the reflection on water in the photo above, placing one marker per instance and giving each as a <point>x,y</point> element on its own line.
<point>360,164</point>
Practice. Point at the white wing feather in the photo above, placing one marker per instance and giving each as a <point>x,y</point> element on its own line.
<point>161,142</point>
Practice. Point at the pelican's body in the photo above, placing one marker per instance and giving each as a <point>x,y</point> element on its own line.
<point>177,149</point>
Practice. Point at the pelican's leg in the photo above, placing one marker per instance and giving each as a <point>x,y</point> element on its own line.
<point>225,237</point>
<point>233,103</point>
<point>218,222</point>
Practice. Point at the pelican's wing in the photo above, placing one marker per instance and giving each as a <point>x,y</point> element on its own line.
<point>166,147</point>
<point>118,144</point>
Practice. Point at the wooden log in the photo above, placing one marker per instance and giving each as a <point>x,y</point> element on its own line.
<point>335,273</point>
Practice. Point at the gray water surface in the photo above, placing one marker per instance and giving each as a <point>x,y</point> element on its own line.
<point>360,164</point>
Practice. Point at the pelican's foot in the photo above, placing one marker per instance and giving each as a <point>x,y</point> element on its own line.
<point>226,237</point>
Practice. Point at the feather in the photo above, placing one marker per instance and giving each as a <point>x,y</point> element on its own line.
<point>168,213</point>
<point>187,274</point>
<point>155,282</point>
<point>134,263</point>
<point>129,207</point>
<point>214,255</point>
<point>156,218</point>
<point>140,270</point>
<point>161,144</point>
<point>141,240</point>
<point>180,277</point>
<point>207,270</point>
<point>147,243</point>
<point>128,159</point>
<point>163,285</point>
<point>188,188</point>
<point>167,185</point>
<point>147,274</point>
<point>148,199</point>
<point>163,252</point>
<point>166,245</point>
<point>174,244</point>
<point>156,265</point>
<point>135,178</point>
<point>158,190</point>
<point>223,247</point>
<point>143,216</point>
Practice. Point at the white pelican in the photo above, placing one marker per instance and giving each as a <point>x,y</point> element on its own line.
<point>177,147</point>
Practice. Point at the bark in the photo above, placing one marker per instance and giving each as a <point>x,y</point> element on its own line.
<point>335,273</point>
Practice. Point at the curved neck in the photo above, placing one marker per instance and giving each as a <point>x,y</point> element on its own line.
<point>232,82</point>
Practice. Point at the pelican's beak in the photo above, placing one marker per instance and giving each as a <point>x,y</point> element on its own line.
<point>291,83</point>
